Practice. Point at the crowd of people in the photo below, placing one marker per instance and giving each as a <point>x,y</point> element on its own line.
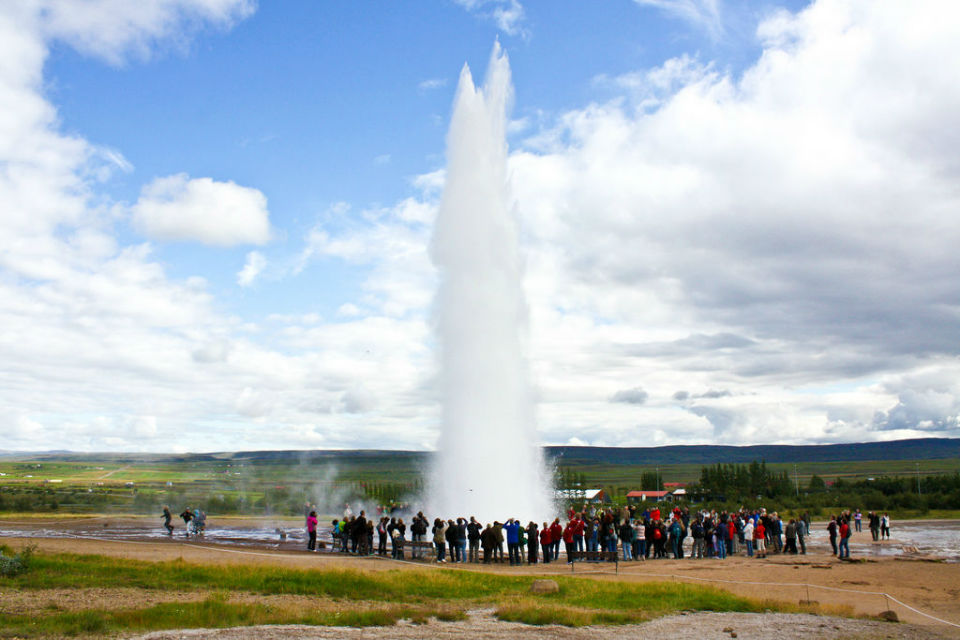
<point>628,533</point>
<point>590,533</point>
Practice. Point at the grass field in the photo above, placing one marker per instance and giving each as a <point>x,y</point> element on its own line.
<point>401,469</point>
<point>139,484</point>
<point>217,596</point>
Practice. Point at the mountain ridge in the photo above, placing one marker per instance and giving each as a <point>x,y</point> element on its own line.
<point>909,449</point>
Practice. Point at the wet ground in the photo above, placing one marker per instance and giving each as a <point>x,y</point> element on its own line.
<point>940,538</point>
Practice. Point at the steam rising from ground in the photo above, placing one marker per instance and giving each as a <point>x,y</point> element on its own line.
<point>489,463</point>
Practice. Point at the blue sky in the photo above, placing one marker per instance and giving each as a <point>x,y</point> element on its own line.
<point>218,212</point>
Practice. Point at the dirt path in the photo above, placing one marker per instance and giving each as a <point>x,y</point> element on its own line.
<point>482,625</point>
<point>110,473</point>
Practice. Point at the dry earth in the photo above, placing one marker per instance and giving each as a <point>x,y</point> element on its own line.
<point>482,625</point>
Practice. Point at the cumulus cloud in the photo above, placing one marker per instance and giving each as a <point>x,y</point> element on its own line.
<point>778,245</point>
<point>111,351</point>
<point>203,210</point>
<point>758,233</point>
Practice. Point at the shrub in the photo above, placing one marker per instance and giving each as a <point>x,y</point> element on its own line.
<point>16,564</point>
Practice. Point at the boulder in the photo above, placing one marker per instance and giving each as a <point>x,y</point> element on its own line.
<point>889,616</point>
<point>544,586</point>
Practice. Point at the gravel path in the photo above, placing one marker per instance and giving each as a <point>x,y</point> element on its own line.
<point>482,624</point>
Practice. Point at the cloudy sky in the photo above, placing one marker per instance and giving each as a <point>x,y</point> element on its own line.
<point>740,220</point>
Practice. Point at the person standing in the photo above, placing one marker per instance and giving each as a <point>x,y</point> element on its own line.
<point>639,539</point>
<point>592,533</point>
<point>748,537</point>
<point>533,540</point>
<point>399,536</point>
<point>512,527</point>
<point>760,538</point>
<point>578,532</point>
<point>791,546</point>
<point>312,531</point>
<point>546,543</point>
<point>856,519</point>
<point>382,536</point>
<point>885,526</point>
<point>461,540</point>
<point>844,551</point>
<point>556,535</point>
<point>697,533</point>
<point>874,518</point>
<point>451,535</point>
<point>626,539</point>
<point>488,542</point>
<point>473,536</point>
<point>166,520</point>
<point>440,538</point>
<point>833,529</point>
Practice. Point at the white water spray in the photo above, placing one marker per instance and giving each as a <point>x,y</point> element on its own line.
<point>489,463</point>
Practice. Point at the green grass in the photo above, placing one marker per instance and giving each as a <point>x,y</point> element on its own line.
<point>213,612</point>
<point>342,597</point>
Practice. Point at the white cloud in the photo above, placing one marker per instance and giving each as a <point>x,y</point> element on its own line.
<point>252,268</point>
<point>432,83</point>
<point>635,395</point>
<point>203,210</point>
<point>145,427</point>
<point>113,29</point>
<point>755,234</point>
<point>508,15</point>
<point>772,254</point>
<point>704,14</point>
<point>358,400</point>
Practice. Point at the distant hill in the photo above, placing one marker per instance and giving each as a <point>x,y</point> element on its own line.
<point>915,449</point>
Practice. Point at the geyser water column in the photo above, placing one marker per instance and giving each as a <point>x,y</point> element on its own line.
<point>488,462</point>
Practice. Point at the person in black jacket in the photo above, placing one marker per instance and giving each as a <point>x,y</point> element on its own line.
<point>473,536</point>
<point>533,539</point>
<point>488,542</point>
<point>451,536</point>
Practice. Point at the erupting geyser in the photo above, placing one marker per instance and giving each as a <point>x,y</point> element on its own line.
<point>489,462</point>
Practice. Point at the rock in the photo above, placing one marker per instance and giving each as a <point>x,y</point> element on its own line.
<point>544,586</point>
<point>889,616</point>
<point>728,629</point>
<point>733,634</point>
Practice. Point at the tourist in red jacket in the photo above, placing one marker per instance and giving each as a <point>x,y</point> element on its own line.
<point>546,542</point>
<point>578,533</point>
<point>760,539</point>
<point>556,535</point>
